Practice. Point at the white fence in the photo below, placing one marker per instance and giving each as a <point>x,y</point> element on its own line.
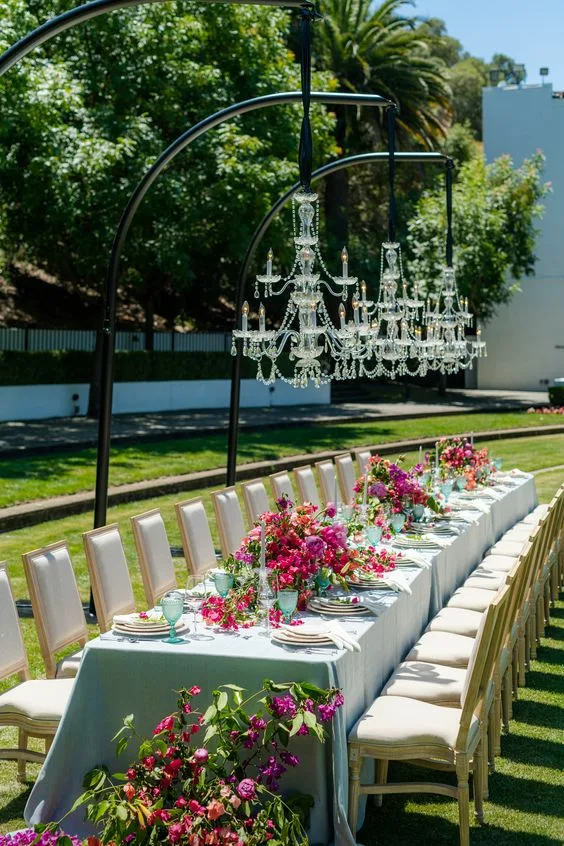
<point>41,340</point>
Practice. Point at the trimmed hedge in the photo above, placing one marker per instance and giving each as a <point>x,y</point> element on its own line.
<point>63,367</point>
<point>556,395</point>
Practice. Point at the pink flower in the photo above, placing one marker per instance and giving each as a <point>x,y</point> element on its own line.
<point>331,509</point>
<point>215,809</point>
<point>195,690</point>
<point>129,791</point>
<point>165,725</point>
<point>201,756</point>
<point>195,807</point>
<point>247,788</point>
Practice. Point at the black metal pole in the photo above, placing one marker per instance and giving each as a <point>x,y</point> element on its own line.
<point>391,115</point>
<point>449,168</point>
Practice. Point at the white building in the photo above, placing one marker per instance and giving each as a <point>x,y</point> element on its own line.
<point>526,337</point>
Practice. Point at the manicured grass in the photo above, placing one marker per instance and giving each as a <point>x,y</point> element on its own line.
<point>527,453</point>
<point>27,479</point>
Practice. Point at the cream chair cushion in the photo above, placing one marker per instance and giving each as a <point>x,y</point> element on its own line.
<point>347,475</point>
<point>327,480</point>
<point>307,487</point>
<point>436,683</point>
<point>511,548</point>
<point>486,579</point>
<point>12,651</point>
<point>230,518</point>
<point>393,722</point>
<point>536,515</point>
<point>67,668</point>
<point>61,606</point>
<point>154,553</point>
<point>196,534</point>
<point>518,533</point>
<point>112,572</point>
<point>499,563</point>
<point>363,456</point>
<point>40,700</point>
<point>474,599</point>
<point>457,620</point>
<point>447,648</point>
<point>256,499</point>
<point>282,486</point>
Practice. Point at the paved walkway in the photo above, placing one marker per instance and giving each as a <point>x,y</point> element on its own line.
<point>34,436</point>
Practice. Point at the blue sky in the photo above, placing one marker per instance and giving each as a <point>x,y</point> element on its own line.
<point>530,32</point>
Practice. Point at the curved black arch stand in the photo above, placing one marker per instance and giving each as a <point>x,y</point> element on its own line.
<point>320,173</point>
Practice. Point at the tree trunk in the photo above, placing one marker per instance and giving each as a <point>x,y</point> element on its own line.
<point>337,192</point>
<point>93,410</point>
<point>149,322</point>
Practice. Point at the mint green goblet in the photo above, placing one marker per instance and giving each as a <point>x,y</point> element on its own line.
<point>172,605</point>
<point>223,582</point>
<point>287,602</point>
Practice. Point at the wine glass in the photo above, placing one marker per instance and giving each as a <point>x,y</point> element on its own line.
<point>172,605</point>
<point>194,598</point>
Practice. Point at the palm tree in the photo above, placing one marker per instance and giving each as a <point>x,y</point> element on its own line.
<point>379,52</point>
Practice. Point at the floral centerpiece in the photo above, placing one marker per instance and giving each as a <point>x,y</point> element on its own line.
<point>370,560</point>
<point>390,490</point>
<point>460,458</point>
<point>222,789</point>
<point>300,544</point>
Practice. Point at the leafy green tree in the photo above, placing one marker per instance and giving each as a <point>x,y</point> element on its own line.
<point>84,117</point>
<point>375,50</point>
<point>467,79</point>
<point>442,45</point>
<point>494,211</point>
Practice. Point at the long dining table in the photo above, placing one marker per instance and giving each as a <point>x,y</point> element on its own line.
<point>117,677</point>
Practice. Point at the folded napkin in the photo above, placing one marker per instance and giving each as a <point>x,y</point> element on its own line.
<point>417,559</point>
<point>154,618</point>
<point>521,474</point>
<point>477,505</point>
<point>397,582</point>
<point>332,630</point>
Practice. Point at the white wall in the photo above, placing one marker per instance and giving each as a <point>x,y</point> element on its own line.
<point>36,402</point>
<point>526,338</point>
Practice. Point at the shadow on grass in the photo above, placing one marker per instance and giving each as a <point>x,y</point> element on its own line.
<point>549,682</point>
<point>534,751</point>
<point>538,714</point>
<point>528,795</point>
<point>14,809</point>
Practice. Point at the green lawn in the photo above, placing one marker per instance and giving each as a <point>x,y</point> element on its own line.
<point>527,453</point>
<point>27,479</point>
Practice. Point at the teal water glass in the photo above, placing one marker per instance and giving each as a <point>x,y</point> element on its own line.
<point>397,522</point>
<point>446,489</point>
<point>461,483</point>
<point>497,463</point>
<point>374,534</point>
<point>322,582</point>
<point>223,582</point>
<point>287,602</point>
<point>172,606</point>
<point>418,512</point>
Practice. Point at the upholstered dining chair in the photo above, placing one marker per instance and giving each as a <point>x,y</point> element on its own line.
<point>255,498</point>
<point>229,519</point>
<point>57,607</point>
<point>33,707</point>
<point>197,541</point>
<point>282,486</point>
<point>109,574</point>
<point>346,475</point>
<point>153,551</point>
<point>306,484</point>
<point>327,481</point>
<point>401,728</point>
<point>362,456</point>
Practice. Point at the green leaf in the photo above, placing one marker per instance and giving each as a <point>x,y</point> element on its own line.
<point>310,719</point>
<point>222,701</point>
<point>210,732</point>
<point>234,687</point>
<point>297,723</point>
<point>210,714</point>
<point>121,812</point>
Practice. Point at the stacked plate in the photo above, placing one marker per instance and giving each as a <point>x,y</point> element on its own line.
<point>337,605</point>
<point>367,581</point>
<point>145,625</point>
<point>411,542</point>
<point>306,635</point>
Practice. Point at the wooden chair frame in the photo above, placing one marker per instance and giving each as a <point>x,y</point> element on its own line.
<point>302,493</point>
<point>247,499</point>
<point>225,547</point>
<point>105,619</point>
<point>346,494</point>
<point>152,592</point>
<point>274,477</point>
<point>189,551</point>
<point>326,494</point>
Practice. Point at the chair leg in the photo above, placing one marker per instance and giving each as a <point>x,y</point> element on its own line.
<point>478,781</point>
<point>49,742</point>
<point>494,732</point>
<point>546,596</point>
<point>482,759</point>
<point>22,744</point>
<point>517,668</point>
<point>381,778</point>
<point>533,631</point>
<point>463,799</point>
<point>540,618</point>
<point>506,701</point>
<point>355,762</point>
<point>554,584</point>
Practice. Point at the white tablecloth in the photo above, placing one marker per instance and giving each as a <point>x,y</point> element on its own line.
<point>118,678</point>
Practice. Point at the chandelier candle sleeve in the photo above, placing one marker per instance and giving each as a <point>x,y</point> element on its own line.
<point>269,258</point>
<point>245,317</point>
<point>345,261</point>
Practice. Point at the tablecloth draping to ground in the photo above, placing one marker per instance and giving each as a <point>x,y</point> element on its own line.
<point>117,678</point>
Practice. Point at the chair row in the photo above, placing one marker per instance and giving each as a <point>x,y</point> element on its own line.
<point>444,705</point>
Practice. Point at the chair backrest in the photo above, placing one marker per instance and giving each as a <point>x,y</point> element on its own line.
<point>155,560</point>
<point>256,499</point>
<point>13,658</point>
<point>109,574</point>
<point>57,607</point>
<point>327,481</point>
<point>346,474</point>
<point>307,487</point>
<point>282,486</point>
<point>197,541</point>
<point>480,665</point>
<point>229,519</point>
<point>363,456</point>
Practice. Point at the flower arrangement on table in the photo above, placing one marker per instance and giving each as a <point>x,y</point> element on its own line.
<point>458,457</point>
<point>370,560</point>
<point>386,489</point>
<point>223,789</point>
